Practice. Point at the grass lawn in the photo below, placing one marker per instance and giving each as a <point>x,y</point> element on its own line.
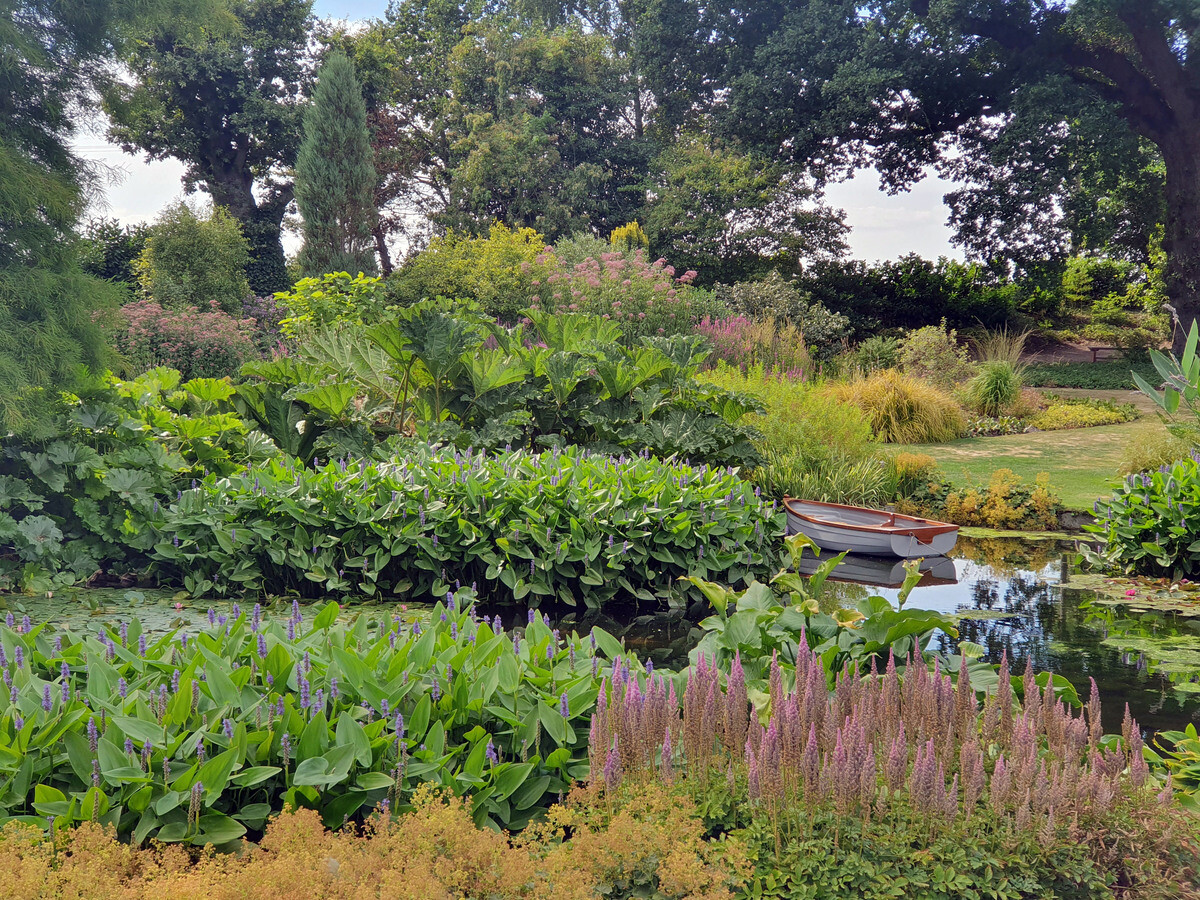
<point>1081,462</point>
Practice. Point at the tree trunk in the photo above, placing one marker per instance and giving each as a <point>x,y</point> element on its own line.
<point>381,247</point>
<point>1182,238</point>
<point>262,226</point>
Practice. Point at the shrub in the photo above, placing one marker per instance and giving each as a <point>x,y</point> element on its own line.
<point>629,236</point>
<point>909,470</point>
<point>496,271</point>
<point>189,261</point>
<point>89,495</point>
<point>903,409</point>
<point>651,842</point>
<point>1086,413</point>
<point>645,298</point>
<point>934,354</point>
<point>1150,449</point>
<point>211,344</point>
<point>268,330</point>
<point>1002,345</point>
<point>109,250</point>
<point>1006,502</point>
<point>748,343</point>
<point>996,387</point>
<point>1151,523</point>
<point>562,524</point>
<point>995,426</point>
<point>198,738</point>
<point>799,419</point>
<point>877,353</point>
<point>863,482</point>
<point>1105,375</point>
<point>332,300</point>
<point>774,298</point>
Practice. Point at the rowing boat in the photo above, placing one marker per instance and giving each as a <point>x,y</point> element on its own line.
<point>833,526</point>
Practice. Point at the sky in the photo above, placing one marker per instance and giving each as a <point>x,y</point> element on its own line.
<point>882,226</point>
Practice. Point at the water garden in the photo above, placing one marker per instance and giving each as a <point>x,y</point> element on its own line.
<point>474,547</point>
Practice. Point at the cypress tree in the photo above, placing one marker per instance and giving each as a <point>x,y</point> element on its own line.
<point>335,176</point>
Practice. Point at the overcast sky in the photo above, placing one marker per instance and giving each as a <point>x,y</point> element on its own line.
<point>883,227</point>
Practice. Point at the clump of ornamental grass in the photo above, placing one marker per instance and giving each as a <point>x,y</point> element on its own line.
<point>916,751</point>
<point>903,409</point>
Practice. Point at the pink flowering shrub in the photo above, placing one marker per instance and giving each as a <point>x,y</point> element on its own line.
<point>200,344</point>
<point>746,343</point>
<point>645,298</point>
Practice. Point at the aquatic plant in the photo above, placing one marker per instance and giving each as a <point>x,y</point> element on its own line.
<point>1151,523</point>
<point>563,524</point>
<point>200,737</point>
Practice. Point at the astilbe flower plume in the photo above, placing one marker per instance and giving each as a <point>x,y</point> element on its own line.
<point>918,739</point>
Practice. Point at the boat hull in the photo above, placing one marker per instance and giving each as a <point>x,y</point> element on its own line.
<point>871,532</point>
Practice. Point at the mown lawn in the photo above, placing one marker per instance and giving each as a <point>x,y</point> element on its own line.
<point>1082,463</point>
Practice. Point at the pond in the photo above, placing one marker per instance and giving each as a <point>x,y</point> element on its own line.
<point>1018,594</point>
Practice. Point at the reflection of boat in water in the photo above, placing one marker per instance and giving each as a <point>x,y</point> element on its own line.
<point>833,526</point>
<point>881,571</point>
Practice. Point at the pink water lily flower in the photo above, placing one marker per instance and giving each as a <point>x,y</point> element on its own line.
<point>1130,592</point>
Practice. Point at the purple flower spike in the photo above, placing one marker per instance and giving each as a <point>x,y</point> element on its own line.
<point>492,756</point>
<point>47,700</point>
<point>141,645</point>
<point>564,707</point>
<point>228,728</point>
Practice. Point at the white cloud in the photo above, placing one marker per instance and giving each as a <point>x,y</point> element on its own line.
<point>887,226</point>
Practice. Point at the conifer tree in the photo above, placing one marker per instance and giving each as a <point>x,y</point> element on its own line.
<point>335,176</point>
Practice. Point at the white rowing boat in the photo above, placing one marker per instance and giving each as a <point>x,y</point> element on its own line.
<point>832,526</point>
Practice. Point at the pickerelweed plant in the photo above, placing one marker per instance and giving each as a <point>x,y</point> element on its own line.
<point>200,737</point>
<point>563,524</point>
<point>1151,523</point>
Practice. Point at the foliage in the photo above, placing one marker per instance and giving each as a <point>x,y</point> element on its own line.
<point>335,176</point>
<point>1151,449</point>
<point>835,479</point>
<point>763,629</point>
<point>749,343</point>
<point>876,353</point>
<point>995,388</point>
<point>1104,375</point>
<point>88,495</point>
<point>331,300</point>
<point>629,236</point>
<point>496,271</point>
<point>1005,502</point>
<point>911,292</point>
<point>799,417</point>
<point>109,250</point>
<point>199,738</point>
<point>1083,412</point>
<point>198,344</point>
<point>1180,383</point>
<point>1001,345</point>
<point>903,409</point>
<point>654,841</point>
<point>732,215</point>
<point>189,261</point>
<point>645,298</point>
<point>1151,523</point>
<point>933,353</point>
<point>563,525</point>
<point>225,101</point>
<point>772,297</point>
<point>54,58</point>
<point>911,470</point>
<point>992,426</point>
<point>450,375</point>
